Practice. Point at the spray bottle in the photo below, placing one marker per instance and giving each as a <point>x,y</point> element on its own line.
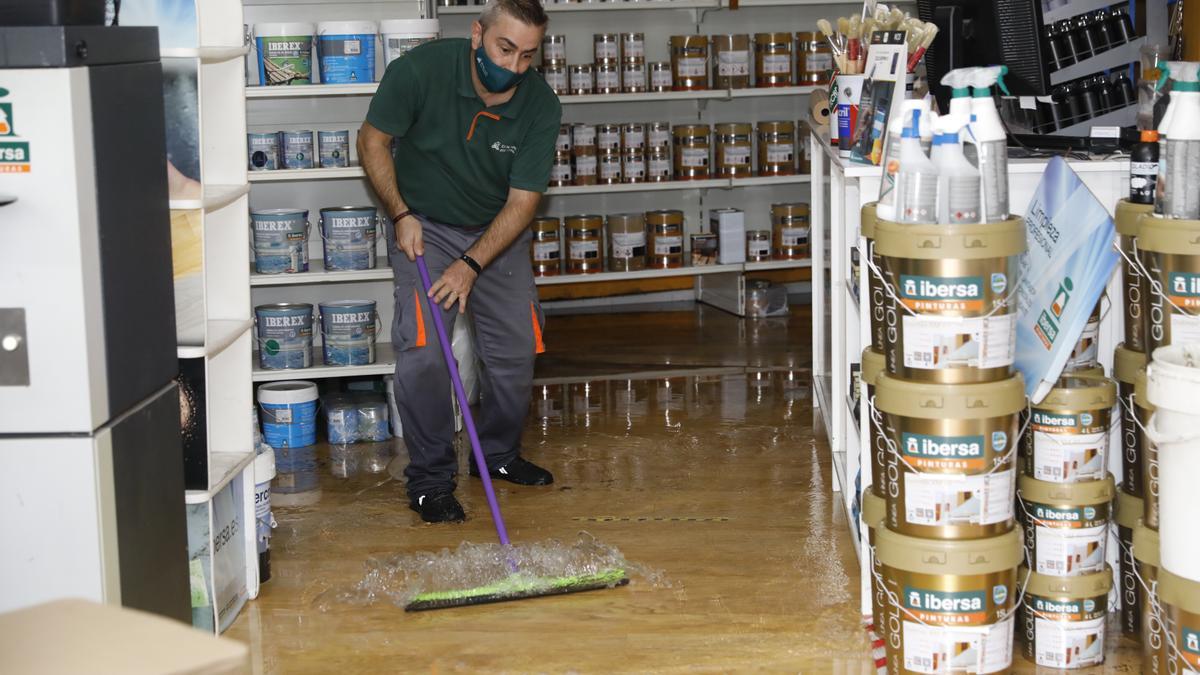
<point>991,143</point>
<point>959,81</point>
<point>1182,160</point>
<point>917,178</point>
<point>958,181</point>
<point>886,206</point>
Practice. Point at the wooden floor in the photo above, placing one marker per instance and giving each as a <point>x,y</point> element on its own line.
<point>711,481</point>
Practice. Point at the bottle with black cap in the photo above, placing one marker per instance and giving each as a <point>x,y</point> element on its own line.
<point>1143,168</point>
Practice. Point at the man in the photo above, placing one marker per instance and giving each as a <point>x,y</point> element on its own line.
<point>474,134</point>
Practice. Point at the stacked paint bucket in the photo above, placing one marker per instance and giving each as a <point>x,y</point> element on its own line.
<point>946,409</point>
<point>288,413</point>
<point>285,334</point>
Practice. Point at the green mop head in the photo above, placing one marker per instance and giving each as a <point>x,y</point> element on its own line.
<point>517,587</point>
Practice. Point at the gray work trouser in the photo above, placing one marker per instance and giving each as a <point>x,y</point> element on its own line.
<point>508,323</point>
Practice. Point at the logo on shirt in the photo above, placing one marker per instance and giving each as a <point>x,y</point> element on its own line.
<point>501,147</point>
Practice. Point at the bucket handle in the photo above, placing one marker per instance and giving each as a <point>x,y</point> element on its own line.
<point>891,291</point>
<point>1158,438</point>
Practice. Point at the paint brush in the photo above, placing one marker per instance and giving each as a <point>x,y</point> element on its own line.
<point>931,32</point>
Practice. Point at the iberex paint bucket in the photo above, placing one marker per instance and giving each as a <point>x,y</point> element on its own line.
<point>1144,410</point>
<point>284,53</point>
<point>297,149</point>
<point>1133,284</point>
<point>280,240</point>
<point>285,332</point>
<point>289,414</point>
<point>263,151</point>
<point>1126,364</point>
<point>875,290</point>
<point>1061,621</point>
<point>952,456</point>
<point>1068,435</point>
<point>872,517</point>
<point>1129,512</point>
<point>951,604</point>
<point>333,148</point>
<point>401,35</point>
<point>347,51</point>
<point>950,311</point>
<point>1170,258</point>
<point>1066,525</point>
<point>1154,634</point>
<point>349,234</point>
<point>348,332</point>
<point>1180,599</point>
<point>872,366</point>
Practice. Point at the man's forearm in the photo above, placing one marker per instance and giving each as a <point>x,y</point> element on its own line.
<point>377,163</point>
<point>505,228</point>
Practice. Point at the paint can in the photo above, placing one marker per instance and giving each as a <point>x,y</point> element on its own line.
<point>400,36</point>
<point>666,238</point>
<point>1086,353</point>
<point>734,149</point>
<point>633,77</point>
<point>264,521</point>
<point>1133,284</point>
<point>627,242</point>
<point>349,234</point>
<point>1146,554</point>
<point>773,59</point>
<point>950,603</point>
<point>952,456</point>
<point>758,245</point>
<point>347,51</point>
<point>284,335</point>
<point>288,411</point>
<point>1061,619</point>
<point>872,366</point>
<point>950,315</point>
<point>872,518</point>
<point>1129,512</point>
<point>790,229</point>
<point>333,148</point>
<point>1170,257</point>
<point>297,149</point>
<point>1066,525</point>
<point>546,247</point>
<point>280,240</point>
<point>776,148</point>
<point>1068,435</point>
<point>585,244</point>
<point>1180,599</point>
<point>689,62</point>
<point>1173,387</point>
<point>284,53</point>
<point>1126,364</point>
<point>662,76</point>
<point>1144,410</point>
<point>876,293</point>
<point>348,332</point>
<point>731,61</point>
<point>263,151</point>
<point>691,149</point>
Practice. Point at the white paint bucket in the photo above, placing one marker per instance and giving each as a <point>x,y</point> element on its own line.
<point>400,36</point>
<point>1066,525</point>
<point>1061,621</point>
<point>1145,552</point>
<point>1173,387</point>
<point>264,473</point>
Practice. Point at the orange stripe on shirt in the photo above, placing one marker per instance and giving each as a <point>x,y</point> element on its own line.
<point>420,319</point>
<point>481,113</point>
<point>539,346</point>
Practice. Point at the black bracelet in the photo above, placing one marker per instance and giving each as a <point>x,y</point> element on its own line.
<point>472,264</point>
<point>396,219</point>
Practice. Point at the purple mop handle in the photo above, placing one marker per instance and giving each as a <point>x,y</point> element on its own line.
<point>463,403</point>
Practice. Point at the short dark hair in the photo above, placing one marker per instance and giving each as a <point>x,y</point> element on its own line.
<point>529,12</point>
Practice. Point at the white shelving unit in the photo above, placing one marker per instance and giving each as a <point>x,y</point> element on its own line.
<point>368,89</point>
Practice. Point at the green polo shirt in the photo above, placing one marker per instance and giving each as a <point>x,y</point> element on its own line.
<point>455,157</point>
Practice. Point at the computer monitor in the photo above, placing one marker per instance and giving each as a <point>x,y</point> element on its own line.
<point>987,33</point>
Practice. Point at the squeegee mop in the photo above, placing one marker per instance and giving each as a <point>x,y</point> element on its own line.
<point>517,583</point>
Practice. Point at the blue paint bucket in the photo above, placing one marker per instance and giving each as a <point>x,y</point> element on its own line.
<point>263,150</point>
<point>280,240</point>
<point>288,411</point>
<point>284,335</point>
<point>346,51</point>
<point>297,149</point>
<point>349,234</point>
<point>334,148</point>
<point>348,332</point>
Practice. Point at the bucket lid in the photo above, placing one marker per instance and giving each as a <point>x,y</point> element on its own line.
<point>1179,592</point>
<point>1086,586</point>
<point>1088,493</point>
<point>1145,544</point>
<point>1129,217</point>
<point>1139,391</point>
<point>938,556</point>
<point>346,28</point>
<point>874,509</point>
<point>279,212</point>
<point>1169,235</point>
<point>868,220</point>
<point>873,364</point>
<point>939,242</point>
<point>1129,509</point>
<point>1126,364</point>
<point>925,400</point>
<point>1080,391</point>
<point>287,391</point>
<point>283,29</point>
<point>335,209</point>
<point>391,26</point>
<point>345,304</point>
<point>1173,378</point>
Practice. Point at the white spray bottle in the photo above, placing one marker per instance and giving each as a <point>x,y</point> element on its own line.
<point>987,132</point>
<point>959,81</point>
<point>958,180</point>
<point>1181,195</point>
<point>885,208</point>
<point>917,178</point>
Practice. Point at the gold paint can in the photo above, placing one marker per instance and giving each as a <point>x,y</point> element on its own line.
<point>873,365</point>
<point>689,62</point>
<point>626,242</point>
<point>1170,254</point>
<point>1066,525</point>
<point>790,231</point>
<point>1133,284</point>
<point>872,518</point>
<point>585,245</point>
<point>691,150</point>
<point>776,148</point>
<point>1129,512</point>
<point>666,238</point>
<point>1067,439</point>
<point>1154,629</point>
<point>1060,623</point>
<point>734,155</point>
<point>772,59</point>
<point>1126,364</point>
<point>546,247</point>
<point>731,61</point>
<point>1144,410</point>
<point>1180,599</point>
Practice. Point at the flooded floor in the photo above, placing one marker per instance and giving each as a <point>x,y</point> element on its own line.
<point>685,439</point>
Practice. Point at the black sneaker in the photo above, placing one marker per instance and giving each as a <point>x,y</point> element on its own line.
<point>438,507</point>
<point>518,471</point>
